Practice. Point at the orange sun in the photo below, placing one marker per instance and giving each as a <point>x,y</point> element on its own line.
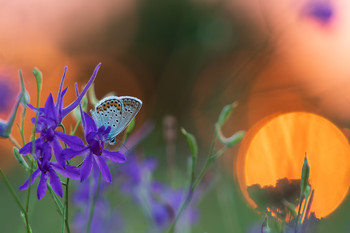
<point>275,149</point>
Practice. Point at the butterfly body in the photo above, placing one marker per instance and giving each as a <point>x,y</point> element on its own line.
<point>116,112</point>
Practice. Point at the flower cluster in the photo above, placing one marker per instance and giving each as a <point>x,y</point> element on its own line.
<point>158,202</point>
<point>48,121</point>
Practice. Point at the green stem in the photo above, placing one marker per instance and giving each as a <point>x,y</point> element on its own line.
<point>66,206</point>
<point>76,127</point>
<point>92,207</point>
<point>62,225</point>
<point>58,203</point>
<point>9,186</point>
<point>297,222</point>
<point>194,183</point>
<point>22,127</point>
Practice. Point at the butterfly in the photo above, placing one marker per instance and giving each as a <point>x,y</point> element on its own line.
<point>116,112</point>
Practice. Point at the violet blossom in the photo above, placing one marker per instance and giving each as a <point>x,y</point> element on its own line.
<point>104,219</point>
<point>47,170</point>
<point>95,153</point>
<point>51,116</point>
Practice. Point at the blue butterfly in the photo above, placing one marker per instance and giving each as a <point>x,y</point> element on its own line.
<point>116,112</point>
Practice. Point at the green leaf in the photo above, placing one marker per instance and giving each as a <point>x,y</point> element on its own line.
<point>225,113</point>
<point>39,78</point>
<point>191,140</point>
<point>20,159</point>
<point>304,176</point>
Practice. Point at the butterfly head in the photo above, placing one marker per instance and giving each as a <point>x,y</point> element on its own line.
<point>111,141</point>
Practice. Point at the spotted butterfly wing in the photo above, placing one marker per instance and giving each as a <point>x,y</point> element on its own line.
<point>116,112</point>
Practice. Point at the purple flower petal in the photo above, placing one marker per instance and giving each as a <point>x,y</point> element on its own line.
<point>26,183</point>
<point>50,109</point>
<point>80,108</point>
<point>58,152</point>
<point>73,105</point>
<point>55,182</point>
<point>103,132</point>
<point>41,110</point>
<point>61,105</point>
<point>42,187</point>
<point>28,148</point>
<point>102,165</point>
<point>69,171</point>
<point>44,153</point>
<point>72,141</point>
<point>60,96</point>
<point>86,167</point>
<point>115,156</point>
<point>90,125</point>
<point>68,154</point>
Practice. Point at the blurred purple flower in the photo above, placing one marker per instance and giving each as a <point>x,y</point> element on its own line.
<point>320,10</point>
<point>159,202</point>
<point>134,173</point>
<point>6,94</point>
<point>47,169</point>
<point>171,201</point>
<point>104,218</point>
<point>96,154</point>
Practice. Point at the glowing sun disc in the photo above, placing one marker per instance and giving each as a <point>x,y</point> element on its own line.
<point>275,149</point>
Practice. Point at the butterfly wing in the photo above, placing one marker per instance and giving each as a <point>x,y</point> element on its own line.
<point>116,112</point>
<point>130,107</point>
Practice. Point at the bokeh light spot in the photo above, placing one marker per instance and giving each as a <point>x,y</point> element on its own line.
<point>274,149</point>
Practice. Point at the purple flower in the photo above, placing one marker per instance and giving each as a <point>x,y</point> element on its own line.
<point>135,173</point>
<point>104,218</point>
<point>47,170</point>
<point>95,153</point>
<point>319,10</point>
<point>7,93</point>
<point>51,116</point>
<point>159,202</point>
<point>168,204</point>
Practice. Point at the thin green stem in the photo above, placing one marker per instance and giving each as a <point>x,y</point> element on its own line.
<point>193,185</point>
<point>92,207</point>
<point>22,127</point>
<point>62,225</point>
<point>9,186</point>
<point>13,193</point>
<point>58,203</point>
<point>76,127</point>
<point>33,148</point>
<point>66,206</point>
<point>297,222</point>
